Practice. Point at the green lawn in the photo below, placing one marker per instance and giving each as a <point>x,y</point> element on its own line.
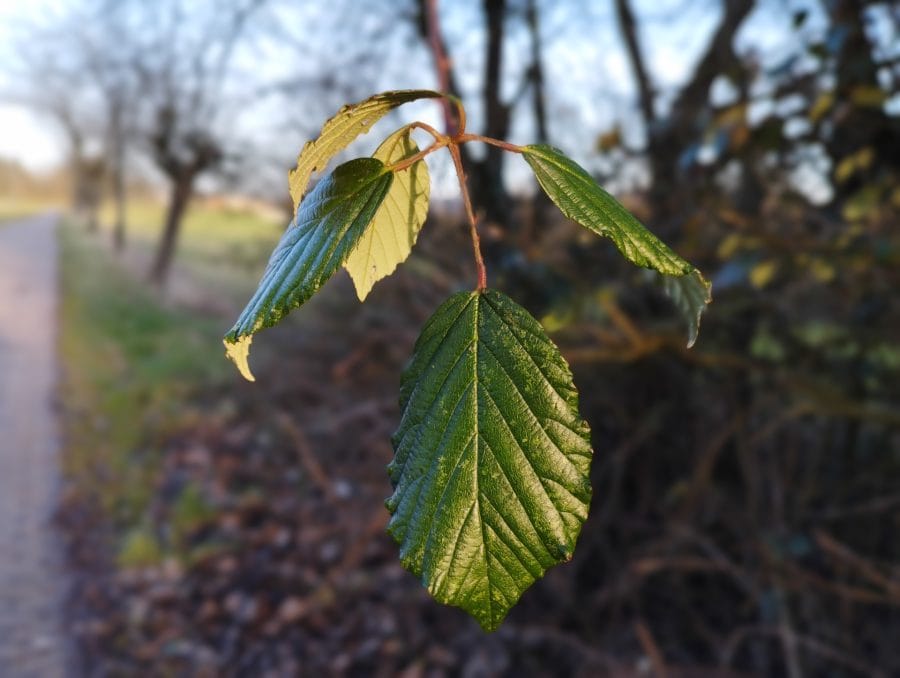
<point>134,363</point>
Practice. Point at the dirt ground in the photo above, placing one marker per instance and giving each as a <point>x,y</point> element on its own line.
<point>31,582</point>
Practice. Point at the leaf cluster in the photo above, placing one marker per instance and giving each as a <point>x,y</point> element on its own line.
<point>491,472</point>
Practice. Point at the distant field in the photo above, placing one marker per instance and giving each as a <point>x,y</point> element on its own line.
<point>223,249</point>
<point>16,208</point>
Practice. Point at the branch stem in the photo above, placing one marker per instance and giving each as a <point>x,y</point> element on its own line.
<point>470,215</point>
<point>400,165</point>
<point>441,64</point>
<point>424,126</point>
<point>505,145</point>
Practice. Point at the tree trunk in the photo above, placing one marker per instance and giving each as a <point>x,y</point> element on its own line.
<point>683,126</point>
<point>120,198</point>
<point>117,160</point>
<point>536,73</point>
<point>182,190</point>
<point>858,125</point>
<point>629,34</point>
<point>540,204</point>
<point>489,192</point>
<point>680,129</point>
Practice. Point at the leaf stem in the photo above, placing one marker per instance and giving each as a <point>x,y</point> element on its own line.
<point>505,145</point>
<point>401,165</point>
<point>476,241</point>
<point>418,124</point>
<point>441,62</point>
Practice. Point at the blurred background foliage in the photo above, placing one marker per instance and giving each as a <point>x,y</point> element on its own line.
<point>747,492</point>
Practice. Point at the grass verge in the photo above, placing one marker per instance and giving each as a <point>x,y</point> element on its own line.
<point>130,368</point>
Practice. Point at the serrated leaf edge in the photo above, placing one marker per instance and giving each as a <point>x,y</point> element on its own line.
<point>315,156</point>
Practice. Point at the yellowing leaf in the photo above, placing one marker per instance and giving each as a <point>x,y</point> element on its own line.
<point>325,230</point>
<point>868,96</point>
<point>238,352</point>
<point>845,169</point>
<point>609,140</point>
<point>388,240</point>
<point>859,161</point>
<point>821,106</point>
<point>762,273</point>
<point>731,244</point>
<point>821,270</point>
<point>343,128</point>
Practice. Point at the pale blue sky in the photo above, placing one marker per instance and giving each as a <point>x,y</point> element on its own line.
<point>591,86</point>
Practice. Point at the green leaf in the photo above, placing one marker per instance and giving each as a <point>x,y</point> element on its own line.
<point>581,199</point>
<point>337,133</point>
<point>491,463</point>
<point>327,226</point>
<point>691,294</point>
<point>388,241</point>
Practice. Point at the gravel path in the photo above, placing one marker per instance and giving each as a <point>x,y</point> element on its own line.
<point>31,584</point>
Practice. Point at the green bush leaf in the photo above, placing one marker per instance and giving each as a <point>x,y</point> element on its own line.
<point>337,133</point>
<point>327,226</point>
<point>388,241</point>
<point>491,463</point>
<point>579,197</point>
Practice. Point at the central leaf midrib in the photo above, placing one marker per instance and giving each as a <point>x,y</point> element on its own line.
<point>476,326</point>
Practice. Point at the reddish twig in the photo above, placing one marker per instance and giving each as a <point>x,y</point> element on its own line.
<point>441,63</point>
<point>307,457</point>
<point>505,145</point>
<point>470,215</point>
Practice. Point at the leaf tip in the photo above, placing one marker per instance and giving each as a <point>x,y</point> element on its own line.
<point>694,329</point>
<point>360,284</point>
<point>238,352</point>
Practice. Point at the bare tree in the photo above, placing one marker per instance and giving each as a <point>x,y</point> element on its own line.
<point>184,59</point>
<point>109,66</point>
<point>54,83</point>
<point>69,71</point>
<point>487,188</point>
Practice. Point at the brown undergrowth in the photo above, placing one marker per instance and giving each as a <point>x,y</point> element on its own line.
<point>744,520</point>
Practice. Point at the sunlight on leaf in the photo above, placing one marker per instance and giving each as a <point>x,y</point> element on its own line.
<point>238,352</point>
<point>581,199</point>
<point>492,459</point>
<point>328,225</point>
<point>338,132</point>
<point>390,237</point>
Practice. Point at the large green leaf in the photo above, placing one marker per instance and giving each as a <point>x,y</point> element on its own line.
<point>337,133</point>
<point>581,199</point>
<point>491,461</point>
<point>327,226</point>
<point>388,241</point>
